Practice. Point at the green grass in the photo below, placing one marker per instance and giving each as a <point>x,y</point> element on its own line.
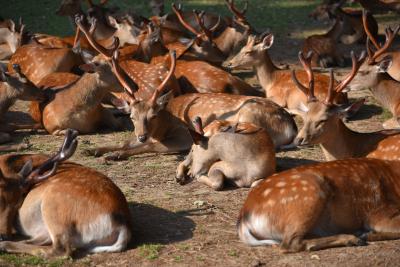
<point>150,251</point>
<point>17,260</point>
<point>39,15</point>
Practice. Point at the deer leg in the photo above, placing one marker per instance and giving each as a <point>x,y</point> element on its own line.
<point>182,169</point>
<point>100,151</point>
<point>22,247</point>
<point>385,225</point>
<point>169,145</point>
<point>216,175</point>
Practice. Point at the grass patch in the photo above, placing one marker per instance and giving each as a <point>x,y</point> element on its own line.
<point>150,251</point>
<point>18,260</point>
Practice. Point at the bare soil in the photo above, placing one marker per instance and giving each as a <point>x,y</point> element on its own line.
<point>192,225</point>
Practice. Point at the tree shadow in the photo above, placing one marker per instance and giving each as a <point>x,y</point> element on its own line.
<point>367,111</point>
<point>152,224</point>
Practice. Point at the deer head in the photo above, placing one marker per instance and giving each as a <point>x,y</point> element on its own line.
<point>13,188</point>
<point>377,62</point>
<point>157,7</point>
<point>126,31</point>
<point>202,45</point>
<point>321,116</point>
<point>253,52</point>
<point>12,34</point>
<point>143,112</point>
<point>20,87</point>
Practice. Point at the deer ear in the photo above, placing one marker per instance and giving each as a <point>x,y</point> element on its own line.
<point>26,169</point>
<point>385,64</point>
<point>121,104</point>
<point>163,100</point>
<point>347,111</point>
<point>113,22</point>
<point>268,41</point>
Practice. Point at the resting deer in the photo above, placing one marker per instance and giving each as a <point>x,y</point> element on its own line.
<point>276,82</point>
<point>324,205</point>
<point>194,75</point>
<point>351,29</point>
<point>240,153</point>
<point>373,75</point>
<point>323,124</point>
<point>326,53</point>
<point>161,122</point>
<point>10,38</point>
<point>12,88</point>
<point>60,206</point>
<point>78,105</point>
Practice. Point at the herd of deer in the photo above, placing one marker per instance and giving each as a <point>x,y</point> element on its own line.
<point>166,73</point>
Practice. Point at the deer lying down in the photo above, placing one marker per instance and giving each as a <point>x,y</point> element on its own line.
<point>324,205</point>
<point>241,153</point>
<point>60,206</point>
<point>12,88</point>
<point>323,125</point>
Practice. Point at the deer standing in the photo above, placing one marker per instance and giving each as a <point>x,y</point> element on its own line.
<point>240,153</point>
<point>60,206</point>
<point>323,124</point>
<point>324,205</point>
<point>277,83</point>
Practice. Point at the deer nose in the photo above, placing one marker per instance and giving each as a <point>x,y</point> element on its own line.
<point>142,138</point>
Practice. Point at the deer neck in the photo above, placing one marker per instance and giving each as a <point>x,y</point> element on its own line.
<point>226,40</point>
<point>265,69</point>
<point>345,143</point>
<point>89,90</point>
<point>335,31</point>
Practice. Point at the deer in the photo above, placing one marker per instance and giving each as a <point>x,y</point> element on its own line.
<point>12,88</point>
<point>193,75</point>
<point>10,38</point>
<point>161,122</point>
<point>157,7</point>
<point>60,206</point>
<point>332,204</point>
<point>374,75</point>
<point>276,82</point>
<point>380,6</point>
<point>323,123</point>
<point>324,47</point>
<point>352,30</point>
<point>78,104</point>
<point>214,157</point>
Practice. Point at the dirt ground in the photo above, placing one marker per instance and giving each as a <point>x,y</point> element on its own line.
<point>192,225</point>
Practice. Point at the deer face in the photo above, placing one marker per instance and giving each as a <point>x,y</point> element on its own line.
<point>368,74</point>
<point>125,31</point>
<point>321,120</point>
<point>252,53</point>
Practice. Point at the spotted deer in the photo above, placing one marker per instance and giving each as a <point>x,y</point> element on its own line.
<point>323,124</point>
<point>60,206</point>
<point>374,75</point>
<point>276,82</point>
<point>351,29</point>
<point>194,75</point>
<point>240,153</point>
<point>161,122</point>
<point>324,205</point>
<point>10,38</point>
<point>12,88</point>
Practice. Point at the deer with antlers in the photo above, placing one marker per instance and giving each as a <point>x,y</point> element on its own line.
<point>12,88</point>
<point>60,206</point>
<point>161,122</point>
<point>240,153</point>
<point>323,123</point>
<point>324,205</point>
<point>276,82</point>
<point>374,74</point>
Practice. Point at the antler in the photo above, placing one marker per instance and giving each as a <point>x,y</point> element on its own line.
<point>161,87</point>
<point>355,67</point>
<point>390,35</point>
<point>200,20</point>
<point>89,36</point>
<point>129,85</point>
<point>178,12</point>
<point>306,62</point>
<point>366,28</point>
<point>66,151</point>
<point>238,14</point>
